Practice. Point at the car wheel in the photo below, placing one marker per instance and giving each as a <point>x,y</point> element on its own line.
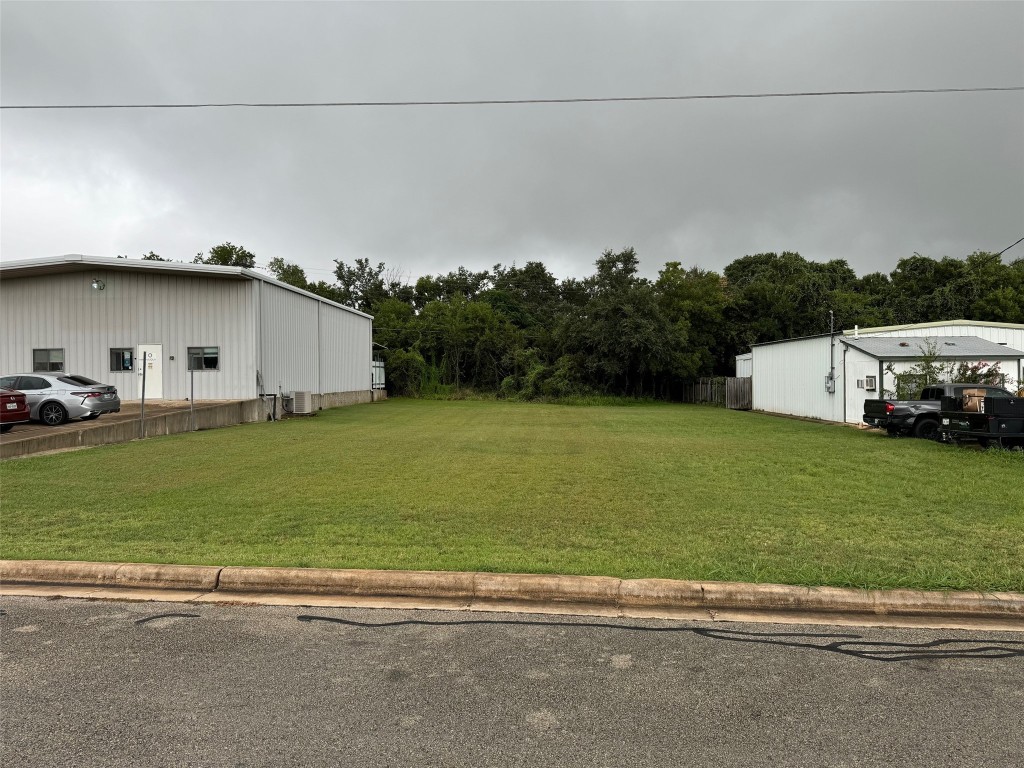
<point>6,427</point>
<point>90,416</point>
<point>53,414</point>
<point>927,429</point>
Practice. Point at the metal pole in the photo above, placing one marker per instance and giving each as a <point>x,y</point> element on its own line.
<point>142,414</point>
<point>192,398</point>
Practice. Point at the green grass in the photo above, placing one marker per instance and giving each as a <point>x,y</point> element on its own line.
<point>654,490</point>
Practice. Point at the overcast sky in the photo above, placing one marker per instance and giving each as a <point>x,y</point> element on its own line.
<point>869,179</point>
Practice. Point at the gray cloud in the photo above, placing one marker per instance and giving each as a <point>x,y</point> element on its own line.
<point>867,179</point>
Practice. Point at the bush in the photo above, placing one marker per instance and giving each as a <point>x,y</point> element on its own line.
<point>405,372</point>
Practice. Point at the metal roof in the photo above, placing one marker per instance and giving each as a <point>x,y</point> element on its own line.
<point>914,347</point>
<point>937,324</point>
<point>73,262</point>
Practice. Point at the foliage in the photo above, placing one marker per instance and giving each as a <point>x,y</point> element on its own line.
<point>153,257</point>
<point>405,372</point>
<point>227,255</point>
<point>288,272</point>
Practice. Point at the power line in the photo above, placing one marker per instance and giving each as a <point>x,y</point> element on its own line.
<point>508,102</point>
<point>1010,246</point>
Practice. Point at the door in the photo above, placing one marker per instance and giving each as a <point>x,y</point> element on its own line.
<point>151,356</point>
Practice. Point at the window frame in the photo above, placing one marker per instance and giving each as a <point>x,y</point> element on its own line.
<point>202,353</point>
<point>122,350</point>
<point>50,361</point>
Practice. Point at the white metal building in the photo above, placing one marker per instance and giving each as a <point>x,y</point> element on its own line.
<point>234,332</point>
<point>829,377</point>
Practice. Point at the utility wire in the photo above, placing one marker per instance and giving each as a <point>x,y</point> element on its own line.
<point>506,102</point>
<point>1009,247</point>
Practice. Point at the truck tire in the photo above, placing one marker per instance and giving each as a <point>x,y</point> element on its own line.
<point>926,429</point>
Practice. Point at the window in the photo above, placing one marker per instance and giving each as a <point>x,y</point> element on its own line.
<point>122,359</point>
<point>32,382</point>
<point>989,392</point>
<point>7,382</point>
<point>46,360</point>
<point>78,381</point>
<point>204,358</point>
<point>870,383</point>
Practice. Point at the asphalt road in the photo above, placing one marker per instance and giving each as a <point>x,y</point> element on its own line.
<point>172,684</point>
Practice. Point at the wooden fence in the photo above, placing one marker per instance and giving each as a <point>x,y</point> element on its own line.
<point>729,392</point>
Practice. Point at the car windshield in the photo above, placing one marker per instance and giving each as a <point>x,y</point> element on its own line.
<point>78,380</point>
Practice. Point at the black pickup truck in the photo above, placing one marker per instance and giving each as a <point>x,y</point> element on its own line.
<point>920,418</point>
<point>992,421</point>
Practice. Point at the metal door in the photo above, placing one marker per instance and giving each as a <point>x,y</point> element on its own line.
<point>151,356</point>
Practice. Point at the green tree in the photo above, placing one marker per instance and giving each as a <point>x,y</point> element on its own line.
<point>287,272</point>
<point>153,257</point>
<point>694,301</point>
<point>621,336</point>
<point>227,255</point>
<point>362,284</point>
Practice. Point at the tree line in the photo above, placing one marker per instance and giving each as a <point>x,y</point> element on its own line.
<point>520,332</point>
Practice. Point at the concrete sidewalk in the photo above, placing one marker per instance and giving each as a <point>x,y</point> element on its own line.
<point>532,593</point>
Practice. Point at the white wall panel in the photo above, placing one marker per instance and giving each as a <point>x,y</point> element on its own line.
<point>789,377</point>
<point>308,344</point>
<point>345,350</point>
<point>857,366</point>
<point>64,311</point>
<point>290,357</point>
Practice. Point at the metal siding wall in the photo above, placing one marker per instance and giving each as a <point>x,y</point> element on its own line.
<point>859,366</point>
<point>134,308</point>
<point>789,378</point>
<point>744,365</point>
<point>345,355</point>
<point>311,345</point>
<point>288,323</point>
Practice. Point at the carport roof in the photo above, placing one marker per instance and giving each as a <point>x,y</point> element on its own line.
<point>914,347</point>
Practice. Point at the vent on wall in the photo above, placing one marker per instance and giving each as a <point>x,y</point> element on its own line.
<point>302,402</point>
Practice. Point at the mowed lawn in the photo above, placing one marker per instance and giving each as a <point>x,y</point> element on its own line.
<point>657,490</point>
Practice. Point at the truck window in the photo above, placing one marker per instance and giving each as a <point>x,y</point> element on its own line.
<point>931,393</point>
<point>996,393</point>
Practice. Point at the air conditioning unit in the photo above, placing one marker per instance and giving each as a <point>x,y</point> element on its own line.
<point>302,402</point>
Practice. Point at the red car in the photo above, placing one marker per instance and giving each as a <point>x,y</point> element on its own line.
<point>13,409</point>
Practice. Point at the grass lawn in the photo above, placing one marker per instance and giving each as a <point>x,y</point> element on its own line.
<point>654,490</point>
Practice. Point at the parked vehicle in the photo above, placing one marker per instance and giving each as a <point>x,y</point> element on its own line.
<point>55,399</point>
<point>983,420</point>
<point>13,409</point>
<point>920,418</point>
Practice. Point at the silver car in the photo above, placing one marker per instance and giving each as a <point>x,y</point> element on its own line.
<point>53,399</point>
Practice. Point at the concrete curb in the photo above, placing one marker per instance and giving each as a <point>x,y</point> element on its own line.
<point>493,590</point>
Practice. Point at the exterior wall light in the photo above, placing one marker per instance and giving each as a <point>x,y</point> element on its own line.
<point>98,284</point>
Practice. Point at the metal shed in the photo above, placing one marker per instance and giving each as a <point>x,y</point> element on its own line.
<point>829,377</point>
<point>235,332</point>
